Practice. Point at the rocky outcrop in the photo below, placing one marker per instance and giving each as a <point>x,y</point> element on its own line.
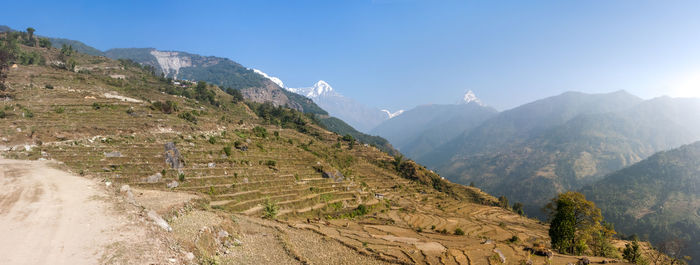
<point>270,93</point>
<point>173,158</point>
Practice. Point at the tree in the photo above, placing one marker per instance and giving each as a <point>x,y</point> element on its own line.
<point>44,43</point>
<point>236,93</point>
<point>31,30</point>
<point>574,220</point>
<point>503,201</point>
<point>601,241</point>
<point>632,253</point>
<point>518,208</point>
<point>562,229</point>
<point>7,54</point>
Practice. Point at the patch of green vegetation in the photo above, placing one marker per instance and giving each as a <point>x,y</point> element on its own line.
<point>270,209</point>
<point>227,151</point>
<point>188,116</point>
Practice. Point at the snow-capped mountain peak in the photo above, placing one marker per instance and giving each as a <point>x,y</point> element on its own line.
<point>320,88</point>
<point>394,114</point>
<point>470,97</point>
<point>272,78</point>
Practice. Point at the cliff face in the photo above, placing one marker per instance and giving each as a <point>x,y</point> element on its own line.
<point>270,92</point>
<point>171,62</point>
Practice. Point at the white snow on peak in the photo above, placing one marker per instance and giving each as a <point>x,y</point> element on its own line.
<point>470,97</point>
<point>390,114</point>
<point>272,78</point>
<point>320,88</point>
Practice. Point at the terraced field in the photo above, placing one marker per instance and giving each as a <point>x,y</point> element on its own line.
<point>325,187</point>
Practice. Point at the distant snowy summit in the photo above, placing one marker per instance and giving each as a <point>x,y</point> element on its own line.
<point>392,114</point>
<point>470,97</point>
<point>321,88</point>
<point>356,114</point>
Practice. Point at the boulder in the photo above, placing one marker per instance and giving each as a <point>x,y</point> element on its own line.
<point>500,255</point>
<point>335,176</point>
<point>154,178</point>
<point>173,158</point>
<point>173,184</point>
<point>583,261</point>
<point>159,220</point>
<point>113,154</point>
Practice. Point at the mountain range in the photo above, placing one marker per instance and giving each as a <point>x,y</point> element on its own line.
<point>358,115</point>
<point>561,143</point>
<point>420,130</point>
<point>573,141</point>
<point>657,199</point>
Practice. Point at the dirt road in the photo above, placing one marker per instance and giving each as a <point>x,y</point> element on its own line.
<point>48,216</point>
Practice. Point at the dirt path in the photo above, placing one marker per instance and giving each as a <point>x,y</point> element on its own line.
<point>48,216</point>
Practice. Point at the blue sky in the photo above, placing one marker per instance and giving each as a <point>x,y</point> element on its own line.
<point>402,53</point>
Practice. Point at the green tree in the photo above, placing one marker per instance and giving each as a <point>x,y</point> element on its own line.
<point>503,202</point>
<point>574,221</point>
<point>632,252</point>
<point>44,43</point>
<point>236,93</point>
<point>31,30</point>
<point>562,229</point>
<point>7,54</point>
<point>518,208</point>
<point>601,241</point>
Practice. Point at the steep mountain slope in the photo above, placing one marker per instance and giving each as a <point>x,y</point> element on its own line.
<point>533,152</point>
<point>220,71</point>
<point>420,130</point>
<point>119,124</point>
<point>657,198</point>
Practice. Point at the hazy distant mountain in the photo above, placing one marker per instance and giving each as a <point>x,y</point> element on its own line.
<point>532,152</point>
<point>360,116</point>
<point>657,199</point>
<point>424,128</point>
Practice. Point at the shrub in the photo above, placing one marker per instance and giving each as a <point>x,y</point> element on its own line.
<point>260,132</point>
<point>2,114</point>
<point>181,177</point>
<point>96,106</point>
<point>59,109</point>
<point>227,150</point>
<point>270,209</point>
<point>514,239</point>
<point>212,140</point>
<point>633,253</point>
<point>48,86</point>
<point>459,231</point>
<point>28,113</point>
<point>271,163</point>
<point>166,107</point>
<point>188,116</point>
